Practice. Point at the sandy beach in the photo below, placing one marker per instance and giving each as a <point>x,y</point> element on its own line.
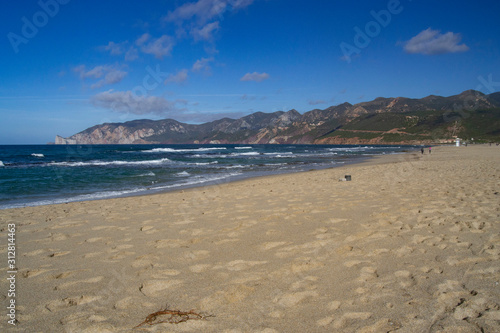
<point>411,244</point>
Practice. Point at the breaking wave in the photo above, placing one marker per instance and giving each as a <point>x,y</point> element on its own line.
<point>111,163</point>
<point>173,150</point>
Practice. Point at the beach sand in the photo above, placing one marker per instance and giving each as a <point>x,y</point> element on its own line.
<point>411,244</point>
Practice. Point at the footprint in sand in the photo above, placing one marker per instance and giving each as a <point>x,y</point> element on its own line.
<point>350,318</point>
<point>93,239</point>
<point>405,278</point>
<point>270,245</point>
<point>154,288</point>
<point>60,304</point>
<point>73,283</point>
<point>232,294</point>
<point>199,268</point>
<point>367,274</point>
<point>292,299</point>
<point>239,265</point>
<point>34,272</point>
<point>59,254</point>
<point>58,236</point>
<point>196,255</point>
<point>144,261</point>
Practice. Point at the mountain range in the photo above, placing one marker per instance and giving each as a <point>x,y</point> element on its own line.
<point>432,119</point>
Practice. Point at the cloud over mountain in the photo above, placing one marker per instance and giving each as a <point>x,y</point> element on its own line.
<point>128,102</point>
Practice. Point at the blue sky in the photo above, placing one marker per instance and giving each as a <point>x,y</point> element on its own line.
<point>71,64</point>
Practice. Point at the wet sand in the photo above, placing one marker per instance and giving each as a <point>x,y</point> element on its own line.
<point>411,244</point>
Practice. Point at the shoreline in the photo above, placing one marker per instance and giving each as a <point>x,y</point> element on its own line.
<point>410,244</point>
<point>180,187</point>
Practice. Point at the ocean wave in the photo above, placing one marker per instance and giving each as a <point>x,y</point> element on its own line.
<point>252,153</point>
<point>81,197</point>
<point>203,163</point>
<point>243,147</point>
<point>183,174</point>
<point>275,164</point>
<point>198,180</point>
<point>38,155</point>
<point>147,174</point>
<point>237,166</point>
<point>281,155</point>
<point>362,148</point>
<point>318,154</point>
<point>207,156</point>
<point>110,163</point>
<point>172,150</point>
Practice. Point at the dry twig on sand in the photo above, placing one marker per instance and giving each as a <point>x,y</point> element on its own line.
<point>172,317</point>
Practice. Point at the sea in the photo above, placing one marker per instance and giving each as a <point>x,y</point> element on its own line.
<point>33,175</point>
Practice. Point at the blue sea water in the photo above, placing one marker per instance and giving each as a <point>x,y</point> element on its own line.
<point>32,175</point>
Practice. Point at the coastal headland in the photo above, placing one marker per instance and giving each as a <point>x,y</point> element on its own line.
<point>410,244</point>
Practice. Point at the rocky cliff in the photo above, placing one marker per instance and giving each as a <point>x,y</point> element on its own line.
<point>381,121</point>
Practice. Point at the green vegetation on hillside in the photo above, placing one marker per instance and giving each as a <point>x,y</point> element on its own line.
<point>482,125</point>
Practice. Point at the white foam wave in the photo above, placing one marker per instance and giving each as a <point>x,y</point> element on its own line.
<point>201,163</point>
<point>360,149</point>
<point>237,166</point>
<point>38,155</point>
<point>111,163</point>
<point>1,164</point>
<point>172,150</point>
<point>82,197</point>
<point>252,153</point>
<point>198,181</point>
<point>243,147</point>
<point>280,155</point>
<point>147,174</point>
<point>183,174</point>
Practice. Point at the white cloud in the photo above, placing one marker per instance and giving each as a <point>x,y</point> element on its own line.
<point>201,18</point>
<point>143,39</point>
<point>111,77</point>
<point>180,77</point>
<point>159,47</point>
<point>128,102</point>
<point>257,77</point>
<point>206,32</point>
<point>114,48</point>
<point>430,42</point>
<point>132,54</point>
<point>203,10</point>
<point>106,74</point>
<point>96,72</point>
<point>117,49</point>
<point>202,64</point>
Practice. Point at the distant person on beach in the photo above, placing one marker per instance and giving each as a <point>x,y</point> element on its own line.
<point>429,150</point>
<point>422,150</point>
